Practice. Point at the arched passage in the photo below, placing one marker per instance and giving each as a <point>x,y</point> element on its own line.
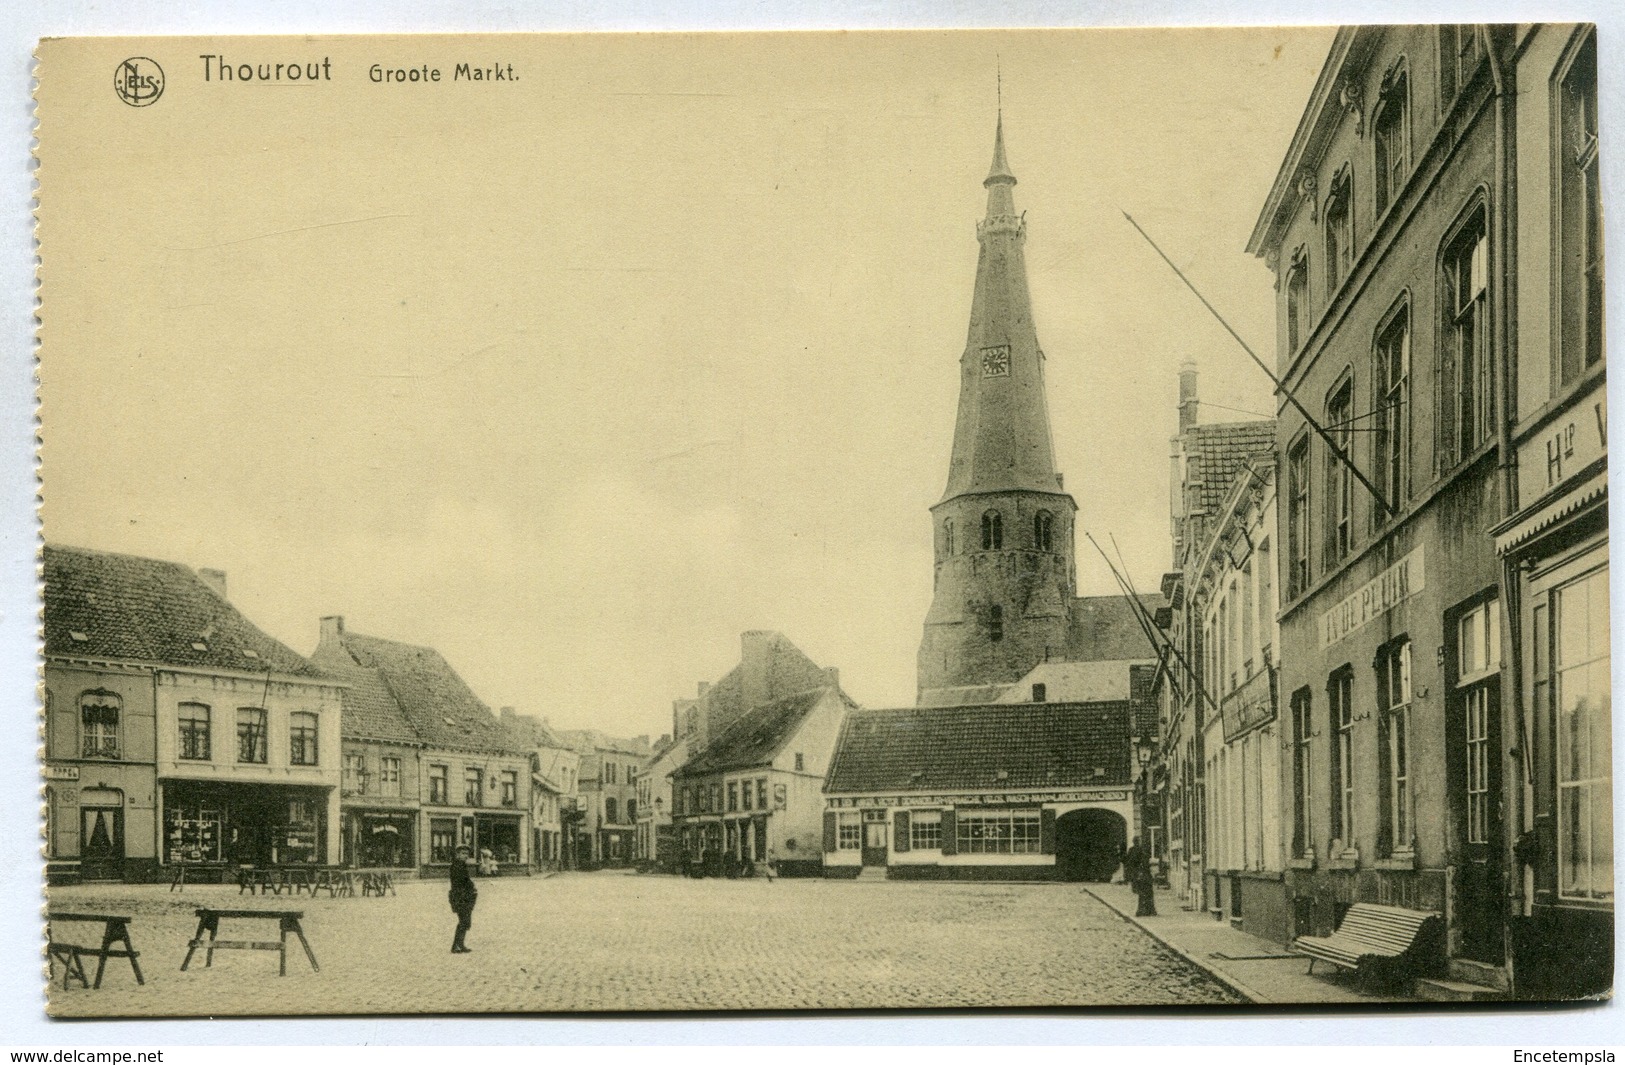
<point>1089,844</point>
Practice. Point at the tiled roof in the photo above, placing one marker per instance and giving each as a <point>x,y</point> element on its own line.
<point>589,740</point>
<point>434,700</point>
<point>1104,628</point>
<point>1021,745</point>
<point>104,605</point>
<point>755,737</point>
<point>370,710</point>
<point>1215,452</point>
<point>531,731</point>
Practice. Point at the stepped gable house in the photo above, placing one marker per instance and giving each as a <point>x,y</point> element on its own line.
<point>472,775</point>
<point>176,732</point>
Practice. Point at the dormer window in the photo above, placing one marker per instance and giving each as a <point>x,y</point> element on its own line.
<point>1040,693</point>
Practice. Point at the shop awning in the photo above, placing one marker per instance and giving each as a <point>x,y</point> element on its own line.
<point>1524,527</point>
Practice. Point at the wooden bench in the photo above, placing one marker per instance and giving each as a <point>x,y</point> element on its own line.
<point>208,921</point>
<point>1368,931</point>
<point>115,931</point>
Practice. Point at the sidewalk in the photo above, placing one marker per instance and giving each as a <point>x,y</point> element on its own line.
<point>1261,970</point>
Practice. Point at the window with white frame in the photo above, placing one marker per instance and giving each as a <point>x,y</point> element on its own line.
<point>1297,540</point>
<point>1459,56</point>
<point>1391,139</point>
<point>99,713</point>
<point>1579,216</point>
<point>1465,390</point>
<point>1571,667</point>
<point>193,720</point>
<point>925,830</point>
<point>302,748</point>
<point>355,773</point>
<point>1394,754</point>
<point>1339,476</point>
<point>389,777</point>
<point>251,734</point>
<point>1340,720</point>
<point>848,830</point>
<point>1297,303</point>
<point>1391,397</point>
<point>997,832</point>
<point>1339,231</point>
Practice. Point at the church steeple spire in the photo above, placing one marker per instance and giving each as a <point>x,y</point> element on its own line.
<point>1002,437</point>
<point>1004,582</point>
<point>1000,171</point>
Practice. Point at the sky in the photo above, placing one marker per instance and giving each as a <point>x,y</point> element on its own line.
<point>578,376</point>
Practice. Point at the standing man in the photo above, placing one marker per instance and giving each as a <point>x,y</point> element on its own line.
<point>462,897</point>
<point>1137,871</point>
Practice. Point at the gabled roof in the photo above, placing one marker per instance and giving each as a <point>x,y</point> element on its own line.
<point>370,710</point>
<point>759,734</point>
<point>951,748</point>
<point>1214,453</point>
<point>591,740</point>
<point>531,731</point>
<point>104,605</point>
<point>440,708</point>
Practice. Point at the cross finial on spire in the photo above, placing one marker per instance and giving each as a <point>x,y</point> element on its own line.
<point>1000,171</point>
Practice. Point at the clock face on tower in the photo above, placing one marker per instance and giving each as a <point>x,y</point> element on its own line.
<point>996,361</point>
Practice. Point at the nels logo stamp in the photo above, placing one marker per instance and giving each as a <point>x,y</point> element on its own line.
<point>139,81</point>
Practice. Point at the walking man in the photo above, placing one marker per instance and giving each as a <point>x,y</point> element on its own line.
<point>463,895</point>
<point>1137,871</point>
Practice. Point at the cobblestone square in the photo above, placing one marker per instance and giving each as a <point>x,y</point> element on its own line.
<point>621,942</point>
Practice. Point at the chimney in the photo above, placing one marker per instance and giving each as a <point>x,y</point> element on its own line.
<point>832,676</point>
<point>216,579</point>
<point>506,714</point>
<point>1187,395</point>
<point>332,627</point>
<point>704,687</point>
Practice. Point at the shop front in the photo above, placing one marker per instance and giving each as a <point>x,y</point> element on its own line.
<point>500,834</point>
<point>211,822</point>
<point>380,839</point>
<point>1556,556</point>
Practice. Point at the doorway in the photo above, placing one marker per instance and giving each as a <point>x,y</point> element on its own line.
<point>1476,803</point>
<point>101,828</point>
<point>874,843</point>
<point>1089,844</point>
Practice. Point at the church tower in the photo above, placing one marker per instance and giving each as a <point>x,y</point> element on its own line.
<point>1005,577</point>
